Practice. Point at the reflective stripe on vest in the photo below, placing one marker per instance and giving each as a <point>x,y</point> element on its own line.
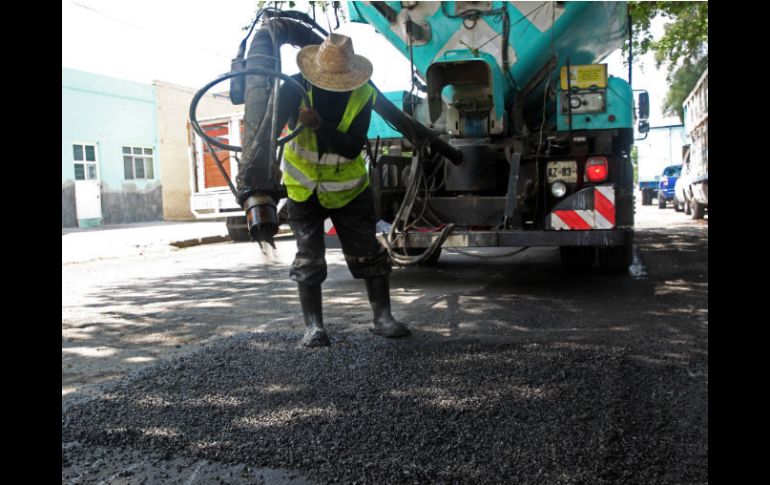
<point>336,179</point>
<point>309,155</point>
<point>312,156</point>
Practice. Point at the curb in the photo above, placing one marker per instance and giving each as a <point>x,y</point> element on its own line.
<point>199,241</point>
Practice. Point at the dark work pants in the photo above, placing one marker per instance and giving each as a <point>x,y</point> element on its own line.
<point>355,226</point>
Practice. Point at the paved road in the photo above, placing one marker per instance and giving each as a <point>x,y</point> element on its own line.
<point>605,363</point>
<point>126,240</point>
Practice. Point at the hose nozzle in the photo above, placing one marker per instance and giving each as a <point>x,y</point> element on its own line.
<point>261,218</point>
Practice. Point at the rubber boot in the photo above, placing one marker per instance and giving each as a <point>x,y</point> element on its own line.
<point>379,296</point>
<point>310,299</point>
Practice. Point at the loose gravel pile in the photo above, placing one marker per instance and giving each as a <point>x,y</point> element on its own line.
<point>427,409</point>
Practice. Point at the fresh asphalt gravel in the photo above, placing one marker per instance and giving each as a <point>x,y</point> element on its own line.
<point>421,410</point>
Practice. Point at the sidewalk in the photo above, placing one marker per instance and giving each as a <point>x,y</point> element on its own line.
<point>116,241</point>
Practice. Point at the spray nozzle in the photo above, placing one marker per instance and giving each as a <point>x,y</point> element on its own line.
<point>261,218</point>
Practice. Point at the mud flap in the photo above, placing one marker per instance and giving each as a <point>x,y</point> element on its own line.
<point>587,209</point>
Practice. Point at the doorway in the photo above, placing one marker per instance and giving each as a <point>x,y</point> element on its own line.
<point>88,197</point>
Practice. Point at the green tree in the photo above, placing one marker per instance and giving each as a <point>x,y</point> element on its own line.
<point>683,46</point>
<point>682,81</point>
<point>685,37</point>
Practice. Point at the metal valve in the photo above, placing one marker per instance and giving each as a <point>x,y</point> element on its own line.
<point>261,218</point>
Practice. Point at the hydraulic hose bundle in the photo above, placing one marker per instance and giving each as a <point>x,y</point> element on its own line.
<point>416,175</point>
<point>254,82</point>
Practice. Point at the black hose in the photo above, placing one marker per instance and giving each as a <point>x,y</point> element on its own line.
<point>414,131</point>
<point>256,170</point>
<point>213,141</point>
<point>298,16</point>
<point>222,169</point>
<point>256,70</point>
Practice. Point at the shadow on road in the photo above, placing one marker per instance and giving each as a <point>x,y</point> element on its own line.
<point>516,371</point>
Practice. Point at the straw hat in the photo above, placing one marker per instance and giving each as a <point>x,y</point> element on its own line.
<point>333,65</point>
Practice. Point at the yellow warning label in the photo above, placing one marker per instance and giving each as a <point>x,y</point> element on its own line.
<point>584,76</point>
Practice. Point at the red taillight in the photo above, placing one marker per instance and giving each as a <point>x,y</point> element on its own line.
<point>597,169</point>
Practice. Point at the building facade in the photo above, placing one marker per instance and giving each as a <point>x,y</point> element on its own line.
<point>125,149</point>
<point>110,165</point>
<point>173,105</point>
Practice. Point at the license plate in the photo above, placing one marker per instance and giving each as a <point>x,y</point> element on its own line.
<point>564,171</point>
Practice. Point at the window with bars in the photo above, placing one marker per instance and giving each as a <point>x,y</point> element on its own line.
<point>138,163</point>
<point>84,156</point>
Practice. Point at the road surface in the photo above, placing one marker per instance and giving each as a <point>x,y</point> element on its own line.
<point>181,366</point>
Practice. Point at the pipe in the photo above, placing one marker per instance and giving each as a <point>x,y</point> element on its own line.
<point>414,131</point>
<point>521,98</point>
<point>630,49</point>
<point>255,173</point>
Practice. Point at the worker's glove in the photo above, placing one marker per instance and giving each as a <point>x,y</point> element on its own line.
<point>310,118</point>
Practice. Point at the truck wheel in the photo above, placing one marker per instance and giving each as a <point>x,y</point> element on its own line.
<point>237,229</point>
<point>687,209</point>
<point>677,205</point>
<point>661,201</point>
<point>577,259</point>
<point>646,197</point>
<point>650,196</point>
<point>616,259</point>
<point>698,210</point>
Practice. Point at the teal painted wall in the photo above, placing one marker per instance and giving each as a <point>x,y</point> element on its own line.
<point>112,113</point>
<point>378,126</point>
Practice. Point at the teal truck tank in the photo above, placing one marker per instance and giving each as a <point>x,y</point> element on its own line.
<point>545,133</point>
<point>581,32</point>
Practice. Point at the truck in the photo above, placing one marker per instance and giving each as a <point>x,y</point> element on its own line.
<point>695,170</point>
<point>668,180</point>
<point>544,132</point>
<point>519,136</point>
<point>660,148</point>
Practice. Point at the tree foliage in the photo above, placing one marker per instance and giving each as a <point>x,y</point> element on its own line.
<point>635,162</point>
<point>685,37</point>
<point>682,81</point>
<point>683,46</point>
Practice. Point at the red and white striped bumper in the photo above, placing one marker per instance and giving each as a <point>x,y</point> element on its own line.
<point>589,208</point>
<point>329,229</point>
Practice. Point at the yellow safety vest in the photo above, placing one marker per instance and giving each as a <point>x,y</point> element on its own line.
<point>336,179</point>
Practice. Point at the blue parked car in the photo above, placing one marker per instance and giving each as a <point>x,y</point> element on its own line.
<point>667,183</point>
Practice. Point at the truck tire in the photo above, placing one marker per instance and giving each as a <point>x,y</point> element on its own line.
<point>616,259</point>
<point>661,201</point>
<point>677,205</point>
<point>698,210</point>
<point>577,259</point>
<point>237,229</point>
<point>687,209</point>
<point>646,197</point>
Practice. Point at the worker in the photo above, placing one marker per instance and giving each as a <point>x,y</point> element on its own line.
<point>326,176</point>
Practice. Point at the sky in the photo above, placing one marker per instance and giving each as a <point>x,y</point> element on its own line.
<point>191,42</point>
